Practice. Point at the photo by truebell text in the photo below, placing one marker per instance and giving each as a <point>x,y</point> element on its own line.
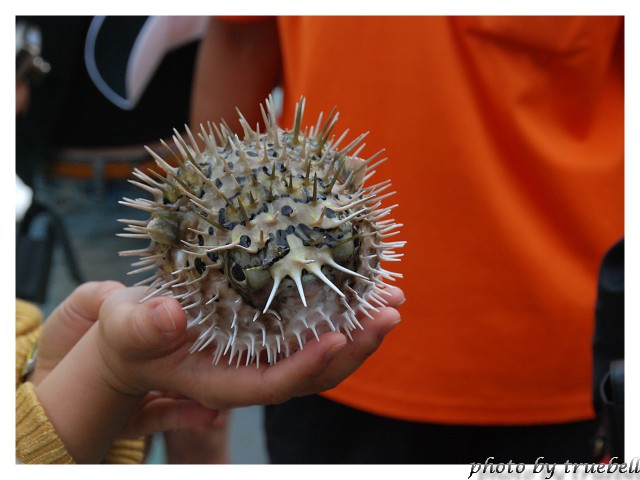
<point>548,470</point>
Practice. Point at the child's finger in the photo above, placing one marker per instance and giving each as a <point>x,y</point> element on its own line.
<point>142,330</point>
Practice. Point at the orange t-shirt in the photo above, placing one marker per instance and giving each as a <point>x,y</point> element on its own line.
<point>505,145</point>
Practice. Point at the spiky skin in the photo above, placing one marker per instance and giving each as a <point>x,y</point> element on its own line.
<point>265,241</point>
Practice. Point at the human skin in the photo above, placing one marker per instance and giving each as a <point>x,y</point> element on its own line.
<point>92,394</point>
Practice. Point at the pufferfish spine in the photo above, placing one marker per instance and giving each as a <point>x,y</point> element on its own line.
<point>266,241</point>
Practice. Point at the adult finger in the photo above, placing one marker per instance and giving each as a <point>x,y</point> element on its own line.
<point>234,387</point>
<point>164,414</point>
<point>200,445</point>
<point>365,342</point>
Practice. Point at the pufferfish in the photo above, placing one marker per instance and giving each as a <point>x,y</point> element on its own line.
<point>266,241</point>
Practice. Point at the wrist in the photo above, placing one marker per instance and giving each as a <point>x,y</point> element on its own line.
<point>83,402</point>
<point>37,441</point>
<point>114,370</point>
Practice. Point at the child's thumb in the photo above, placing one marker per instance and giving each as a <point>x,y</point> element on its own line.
<point>162,327</point>
<point>163,319</point>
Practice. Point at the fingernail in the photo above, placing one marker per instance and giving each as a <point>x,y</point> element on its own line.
<point>394,323</point>
<point>164,319</point>
<point>333,351</point>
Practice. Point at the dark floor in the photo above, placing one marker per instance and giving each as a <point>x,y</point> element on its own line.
<point>91,222</point>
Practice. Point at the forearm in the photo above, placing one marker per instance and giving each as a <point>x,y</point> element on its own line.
<point>86,411</point>
<point>238,65</point>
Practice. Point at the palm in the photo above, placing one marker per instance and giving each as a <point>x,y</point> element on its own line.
<point>147,358</point>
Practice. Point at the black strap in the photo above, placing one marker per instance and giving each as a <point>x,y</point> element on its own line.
<point>612,394</point>
<point>38,232</point>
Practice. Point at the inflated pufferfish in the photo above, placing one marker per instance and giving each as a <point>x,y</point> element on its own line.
<point>268,240</point>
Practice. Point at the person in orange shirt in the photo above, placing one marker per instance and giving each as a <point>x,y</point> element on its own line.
<point>505,145</point>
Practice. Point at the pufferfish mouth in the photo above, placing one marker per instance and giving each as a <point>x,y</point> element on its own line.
<point>288,290</point>
<point>298,272</point>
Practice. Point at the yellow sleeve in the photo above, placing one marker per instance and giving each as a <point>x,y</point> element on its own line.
<point>126,451</point>
<point>36,439</point>
<point>28,326</point>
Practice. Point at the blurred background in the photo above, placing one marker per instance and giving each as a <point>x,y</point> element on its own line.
<point>99,89</point>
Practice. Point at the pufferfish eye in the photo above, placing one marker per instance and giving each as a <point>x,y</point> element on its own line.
<point>248,278</point>
<point>238,273</point>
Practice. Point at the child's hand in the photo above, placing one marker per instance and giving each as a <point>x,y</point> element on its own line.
<point>159,411</point>
<point>68,323</point>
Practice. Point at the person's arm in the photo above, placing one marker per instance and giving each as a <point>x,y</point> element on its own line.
<point>238,64</point>
<point>85,410</point>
